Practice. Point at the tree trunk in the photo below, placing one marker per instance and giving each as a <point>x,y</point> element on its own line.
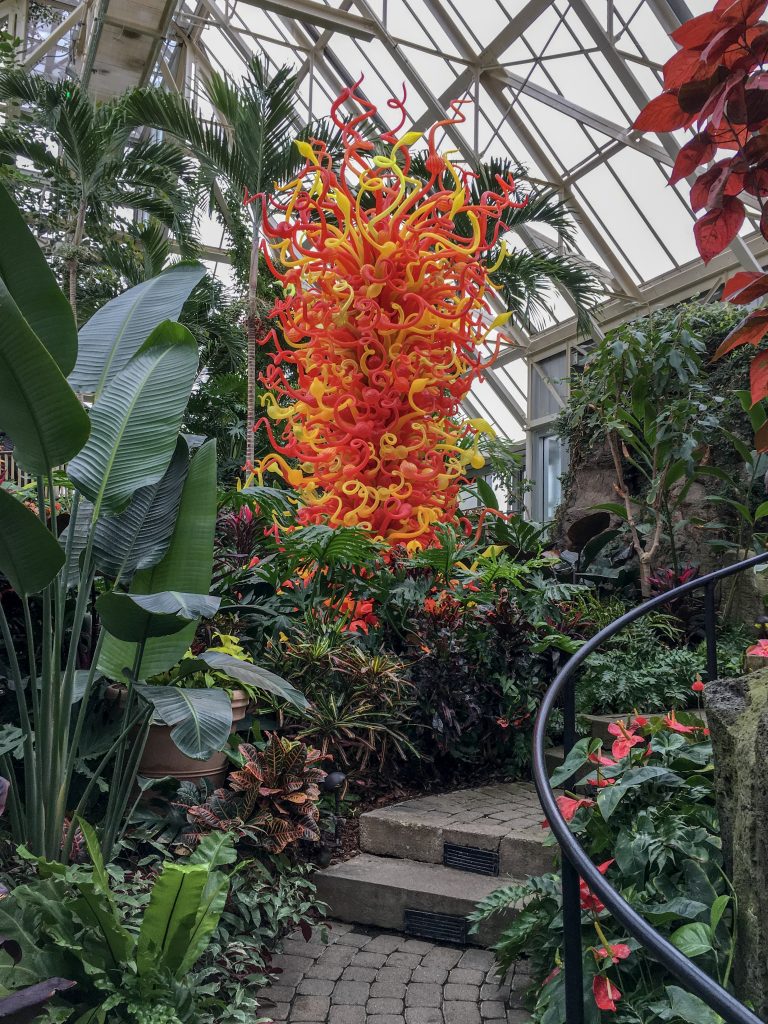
<point>74,262</point>
<point>252,320</point>
<point>737,715</point>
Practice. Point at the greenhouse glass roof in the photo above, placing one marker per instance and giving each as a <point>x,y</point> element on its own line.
<point>554,85</point>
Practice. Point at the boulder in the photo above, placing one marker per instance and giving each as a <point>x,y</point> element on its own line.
<point>737,713</point>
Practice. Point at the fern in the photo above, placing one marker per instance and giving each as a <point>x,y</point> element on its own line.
<point>499,901</point>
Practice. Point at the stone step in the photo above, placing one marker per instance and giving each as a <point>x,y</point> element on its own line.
<point>553,758</point>
<point>371,890</point>
<point>504,820</point>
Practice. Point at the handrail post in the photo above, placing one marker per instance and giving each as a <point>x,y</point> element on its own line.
<point>710,629</point>
<point>572,952</point>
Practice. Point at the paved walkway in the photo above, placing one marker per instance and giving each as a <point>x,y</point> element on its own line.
<point>366,976</point>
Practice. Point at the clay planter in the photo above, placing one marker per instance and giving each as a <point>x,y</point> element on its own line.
<point>162,757</point>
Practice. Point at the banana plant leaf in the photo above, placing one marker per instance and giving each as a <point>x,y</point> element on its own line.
<point>186,566</point>
<point>135,422</point>
<point>38,409</point>
<point>33,287</point>
<point>138,537</point>
<point>254,677</point>
<point>201,719</point>
<point>30,556</point>
<point>116,331</point>
<point>137,617</point>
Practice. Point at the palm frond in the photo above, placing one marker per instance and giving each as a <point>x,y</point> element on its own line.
<point>527,281</point>
<point>172,114</point>
<point>17,142</point>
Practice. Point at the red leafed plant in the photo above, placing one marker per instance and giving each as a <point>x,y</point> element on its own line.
<point>717,84</point>
<point>272,799</point>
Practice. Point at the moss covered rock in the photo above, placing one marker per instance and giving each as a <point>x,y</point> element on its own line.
<point>737,712</point>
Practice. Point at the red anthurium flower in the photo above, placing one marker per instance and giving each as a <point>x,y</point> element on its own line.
<point>605,992</point>
<point>597,758</point>
<point>639,722</point>
<point>672,723</point>
<point>552,974</point>
<point>625,740</point>
<point>588,899</point>
<point>600,783</point>
<point>759,650</point>
<point>568,807</point>
<point>698,685</point>
<point>619,951</point>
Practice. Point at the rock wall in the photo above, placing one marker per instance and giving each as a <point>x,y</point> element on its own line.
<point>590,482</point>
<point>737,714</point>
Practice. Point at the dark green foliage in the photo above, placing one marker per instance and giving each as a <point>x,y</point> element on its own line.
<point>654,832</point>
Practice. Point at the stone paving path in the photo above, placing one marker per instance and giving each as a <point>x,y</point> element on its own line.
<point>366,976</point>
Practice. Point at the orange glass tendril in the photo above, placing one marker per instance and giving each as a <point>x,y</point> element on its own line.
<point>387,321</point>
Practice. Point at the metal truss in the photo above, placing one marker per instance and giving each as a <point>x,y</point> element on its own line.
<point>556,85</point>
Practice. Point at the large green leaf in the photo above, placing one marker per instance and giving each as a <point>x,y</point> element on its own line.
<point>137,617</point>
<point>135,422</point>
<point>201,720</point>
<point>38,409</point>
<point>170,917</point>
<point>208,916</point>
<point>110,938</point>
<point>186,566</point>
<point>22,914</point>
<point>30,281</point>
<point>116,332</point>
<point>138,537</point>
<point>254,677</point>
<point>30,556</point>
<point>692,939</point>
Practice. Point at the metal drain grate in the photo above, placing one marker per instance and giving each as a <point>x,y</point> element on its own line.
<point>469,858</point>
<point>423,924</point>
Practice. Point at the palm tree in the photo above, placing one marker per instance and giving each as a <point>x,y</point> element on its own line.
<point>90,159</point>
<point>251,149</point>
<point>527,277</point>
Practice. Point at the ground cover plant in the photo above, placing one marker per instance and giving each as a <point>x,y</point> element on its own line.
<point>647,817</point>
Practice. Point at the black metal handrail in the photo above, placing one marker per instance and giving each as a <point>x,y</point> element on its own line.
<point>576,863</point>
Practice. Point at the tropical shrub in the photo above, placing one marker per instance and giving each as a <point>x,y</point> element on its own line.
<point>716,81</point>
<point>649,821</point>
<point>271,799</point>
<point>268,900</point>
<point>360,700</point>
<point>131,945</point>
<point>139,539</point>
<point>643,393</point>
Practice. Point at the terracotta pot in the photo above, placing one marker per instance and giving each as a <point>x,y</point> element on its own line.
<point>240,702</point>
<point>162,757</point>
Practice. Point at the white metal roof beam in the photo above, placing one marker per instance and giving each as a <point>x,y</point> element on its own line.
<point>320,15</point>
<point>596,236</point>
<point>627,78</point>
<point>676,286</point>
<point>626,136</point>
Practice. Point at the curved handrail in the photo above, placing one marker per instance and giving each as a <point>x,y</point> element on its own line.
<point>692,977</point>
